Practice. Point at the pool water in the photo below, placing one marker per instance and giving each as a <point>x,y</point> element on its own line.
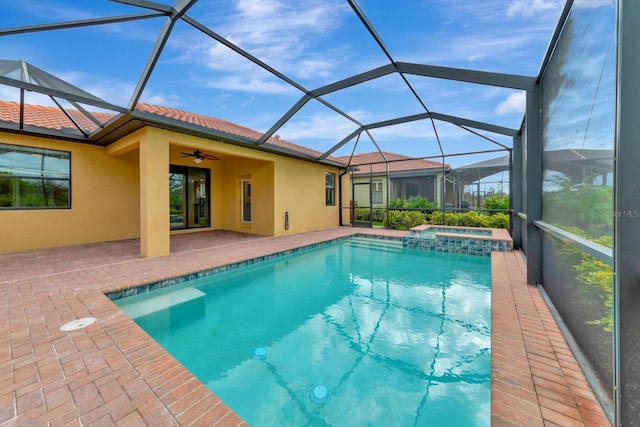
<point>354,333</point>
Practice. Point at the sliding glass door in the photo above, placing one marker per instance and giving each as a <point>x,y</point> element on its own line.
<point>189,205</point>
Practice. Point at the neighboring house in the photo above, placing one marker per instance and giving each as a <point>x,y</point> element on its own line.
<point>67,179</point>
<point>404,177</point>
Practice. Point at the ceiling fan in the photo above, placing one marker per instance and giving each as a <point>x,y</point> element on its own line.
<point>199,156</point>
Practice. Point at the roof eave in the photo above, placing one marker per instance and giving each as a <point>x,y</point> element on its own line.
<point>125,123</point>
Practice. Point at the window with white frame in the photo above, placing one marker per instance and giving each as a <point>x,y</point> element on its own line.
<point>376,191</point>
<point>330,188</point>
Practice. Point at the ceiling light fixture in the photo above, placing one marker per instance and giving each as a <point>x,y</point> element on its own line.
<point>199,156</point>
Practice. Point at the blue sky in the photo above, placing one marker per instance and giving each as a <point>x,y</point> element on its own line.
<point>313,42</point>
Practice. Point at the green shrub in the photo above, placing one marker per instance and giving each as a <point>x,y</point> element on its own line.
<point>396,203</point>
<point>496,202</point>
<point>404,220</point>
<point>379,214</point>
<point>594,277</point>
<point>413,202</point>
<point>363,214</point>
<point>471,219</point>
<point>585,206</point>
<point>498,220</point>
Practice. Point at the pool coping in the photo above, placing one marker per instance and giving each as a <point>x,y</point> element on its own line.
<point>112,372</point>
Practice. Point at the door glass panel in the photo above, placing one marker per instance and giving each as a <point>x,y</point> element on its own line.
<point>198,198</point>
<point>188,197</point>
<point>177,207</point>
<point>246,200</point>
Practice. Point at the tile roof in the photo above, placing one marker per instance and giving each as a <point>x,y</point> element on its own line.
<point>398,163</point>
<point>222,126</point>
<point>49,117</point>
<point>54,118</point>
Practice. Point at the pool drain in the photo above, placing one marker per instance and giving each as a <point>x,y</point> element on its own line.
<point>320,394</point>
<point>260,353</point>
<point>78,324</point>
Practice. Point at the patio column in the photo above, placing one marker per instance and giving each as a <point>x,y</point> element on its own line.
<point>154,196</point>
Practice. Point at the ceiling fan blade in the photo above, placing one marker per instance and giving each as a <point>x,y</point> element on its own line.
<point>200,155</point>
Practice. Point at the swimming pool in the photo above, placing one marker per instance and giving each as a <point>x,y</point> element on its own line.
<point>357,332</point>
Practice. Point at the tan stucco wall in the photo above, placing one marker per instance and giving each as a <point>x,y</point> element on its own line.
<point>104,201</point>
<point>118,192</point>
<point>279,184</point>
<point>260,172</point>
<point>301,192</point>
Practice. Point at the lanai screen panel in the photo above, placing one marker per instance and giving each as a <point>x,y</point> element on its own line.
<point>578,93</point>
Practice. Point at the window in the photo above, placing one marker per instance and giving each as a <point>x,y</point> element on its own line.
<point>246,200</point>
<point>34,178</point>
<point>330,188</point>
<point>376,192</point>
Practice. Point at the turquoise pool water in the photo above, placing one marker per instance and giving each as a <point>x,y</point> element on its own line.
<point>354,333</point>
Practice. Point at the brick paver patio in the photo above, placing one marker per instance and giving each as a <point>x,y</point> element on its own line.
<point>113,373</point>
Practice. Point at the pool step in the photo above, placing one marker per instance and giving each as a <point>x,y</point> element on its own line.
<point>379,244</point>
<point>163,302</point>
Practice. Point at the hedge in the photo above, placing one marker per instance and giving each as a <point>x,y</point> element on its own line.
<point>404,220</point>
<point>471,219</point>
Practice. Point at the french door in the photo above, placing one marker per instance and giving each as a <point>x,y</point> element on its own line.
<point>189,205</point>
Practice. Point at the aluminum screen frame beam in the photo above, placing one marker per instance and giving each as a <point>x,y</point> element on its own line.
<point>59,94</point>
<point>80,23</point>
<point>423,116</point>
<point>178,11</point>
<point>510,81</point>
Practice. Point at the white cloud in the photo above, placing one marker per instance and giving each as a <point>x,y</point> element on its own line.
<point>475,57</point>
<point>528,8</point>
<point>330,126</point>
<point>165,100</point>
<point>286,36</point>
<point>246,83</point>
<point>515,103</point>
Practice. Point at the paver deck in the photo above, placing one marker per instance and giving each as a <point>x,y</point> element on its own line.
<point>113,373</point>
